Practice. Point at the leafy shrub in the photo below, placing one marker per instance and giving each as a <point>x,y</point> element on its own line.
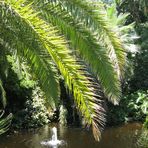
<point>35,113</point>
<point>136,104</point>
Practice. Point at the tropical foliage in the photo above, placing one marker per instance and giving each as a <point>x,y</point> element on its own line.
<point>25,100</point>
<point>139,78</point>
<point>138,9</point>
<point>72,38</point>
<point>134,101</point>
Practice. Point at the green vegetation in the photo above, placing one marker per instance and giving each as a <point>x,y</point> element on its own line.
<point>34,113</point>
<point>64,61</point>
<point>133,107</point>
<point>134,103</point>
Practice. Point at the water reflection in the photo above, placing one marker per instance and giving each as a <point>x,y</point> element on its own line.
<point>114,137</point>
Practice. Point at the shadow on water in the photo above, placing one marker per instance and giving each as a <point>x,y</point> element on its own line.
<point>124,136</point>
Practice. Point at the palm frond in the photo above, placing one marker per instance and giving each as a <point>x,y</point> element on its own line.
<point>126,32</point>
<point>92,16</point>
<point>18,11</point>
<point>41,65</point>
<point>86,45</point>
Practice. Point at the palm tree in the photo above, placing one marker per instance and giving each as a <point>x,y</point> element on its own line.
<point>66,37</point>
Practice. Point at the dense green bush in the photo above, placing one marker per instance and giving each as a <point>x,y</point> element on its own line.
<point>116,114</point>
<point>137,104</point>
<point>25,99</point>
<point>133,107</point>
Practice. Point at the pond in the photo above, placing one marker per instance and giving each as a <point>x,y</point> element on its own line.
<point>124,136</point>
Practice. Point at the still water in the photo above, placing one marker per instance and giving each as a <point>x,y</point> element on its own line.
<point>124,136</point>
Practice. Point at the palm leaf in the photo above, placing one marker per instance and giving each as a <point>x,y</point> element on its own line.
<point>126,32</point>
<point>47,36</point>
<point>86,45</point>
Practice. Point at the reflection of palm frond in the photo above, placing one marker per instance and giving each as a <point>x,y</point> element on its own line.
<point>143,139</point>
